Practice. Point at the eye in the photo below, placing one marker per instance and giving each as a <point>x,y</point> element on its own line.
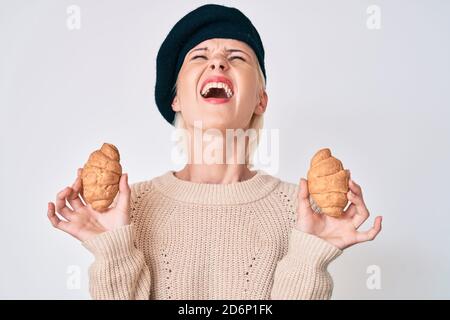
<point>237,57</point>
<point>195,57</point>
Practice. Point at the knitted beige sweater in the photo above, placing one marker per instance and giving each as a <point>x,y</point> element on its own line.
<point>192,240</point>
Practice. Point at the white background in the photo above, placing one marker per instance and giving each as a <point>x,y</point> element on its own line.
<point>379,98</point>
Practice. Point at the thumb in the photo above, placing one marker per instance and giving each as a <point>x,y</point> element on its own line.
<point>304,192</point>
<point>124,193</point>
<point>304,206</point>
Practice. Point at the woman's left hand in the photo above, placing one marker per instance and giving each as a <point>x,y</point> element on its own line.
<point>341,232</point>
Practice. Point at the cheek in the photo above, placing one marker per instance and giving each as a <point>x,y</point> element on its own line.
<point>187,93</point>
<point>248,88</point>
<point>187,83</point>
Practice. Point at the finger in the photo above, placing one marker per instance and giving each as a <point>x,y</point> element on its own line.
<point>355,198</point>
<point>371,233</point>
<point>361,213</point>
<point>123,200</point>
<point>350,211</point>
<point>304,205</point>
<point>80,171</point>
<point>61,207</point>
<point>304,191</point>
<point>54,219</point>
<point>355,188</point>
<point>74,198</point>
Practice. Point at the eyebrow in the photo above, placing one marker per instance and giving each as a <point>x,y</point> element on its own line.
<point>227,50</point>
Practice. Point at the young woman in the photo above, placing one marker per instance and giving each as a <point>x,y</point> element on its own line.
<point>215,229</point>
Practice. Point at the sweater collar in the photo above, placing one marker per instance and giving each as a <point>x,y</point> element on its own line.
<point>257,187</point>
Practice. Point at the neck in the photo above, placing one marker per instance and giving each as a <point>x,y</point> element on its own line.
<point>215,173</point>
<point>228,155</point>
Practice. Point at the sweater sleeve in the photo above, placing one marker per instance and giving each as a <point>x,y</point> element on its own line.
<point>302,272</point>
<point>119,270</point>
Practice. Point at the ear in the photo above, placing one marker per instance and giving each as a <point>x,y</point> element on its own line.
<point>176,104</point>
<point>262,104</point>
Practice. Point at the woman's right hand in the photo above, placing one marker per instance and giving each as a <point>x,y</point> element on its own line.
<point>83,222</point>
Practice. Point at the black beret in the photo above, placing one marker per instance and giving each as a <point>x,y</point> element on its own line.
<point>206,22</point>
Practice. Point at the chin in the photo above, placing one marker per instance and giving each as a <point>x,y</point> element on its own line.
<point>217,123</point>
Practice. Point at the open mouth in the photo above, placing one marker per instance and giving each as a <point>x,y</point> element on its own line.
<point>217,91</point>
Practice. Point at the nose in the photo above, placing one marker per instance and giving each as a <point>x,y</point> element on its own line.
<point>218,63</point>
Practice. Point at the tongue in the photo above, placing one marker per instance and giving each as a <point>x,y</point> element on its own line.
<point>216,93</point>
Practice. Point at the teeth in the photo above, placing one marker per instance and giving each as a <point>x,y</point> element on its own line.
<point>221,85</point>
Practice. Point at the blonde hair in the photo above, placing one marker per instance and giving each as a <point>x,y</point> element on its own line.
<point>256,122</point>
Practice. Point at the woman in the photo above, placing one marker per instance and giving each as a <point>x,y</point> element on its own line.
<point>213,230</point>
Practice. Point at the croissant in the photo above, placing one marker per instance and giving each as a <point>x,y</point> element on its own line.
<point>328,183</point>
<point>100,177</point>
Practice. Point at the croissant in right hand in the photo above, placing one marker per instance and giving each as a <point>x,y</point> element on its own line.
<point>100,177</point>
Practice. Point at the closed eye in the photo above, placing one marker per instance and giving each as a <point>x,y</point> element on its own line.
<point>237,57</point>
<point>231,58</point>
<point>198,57</point>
